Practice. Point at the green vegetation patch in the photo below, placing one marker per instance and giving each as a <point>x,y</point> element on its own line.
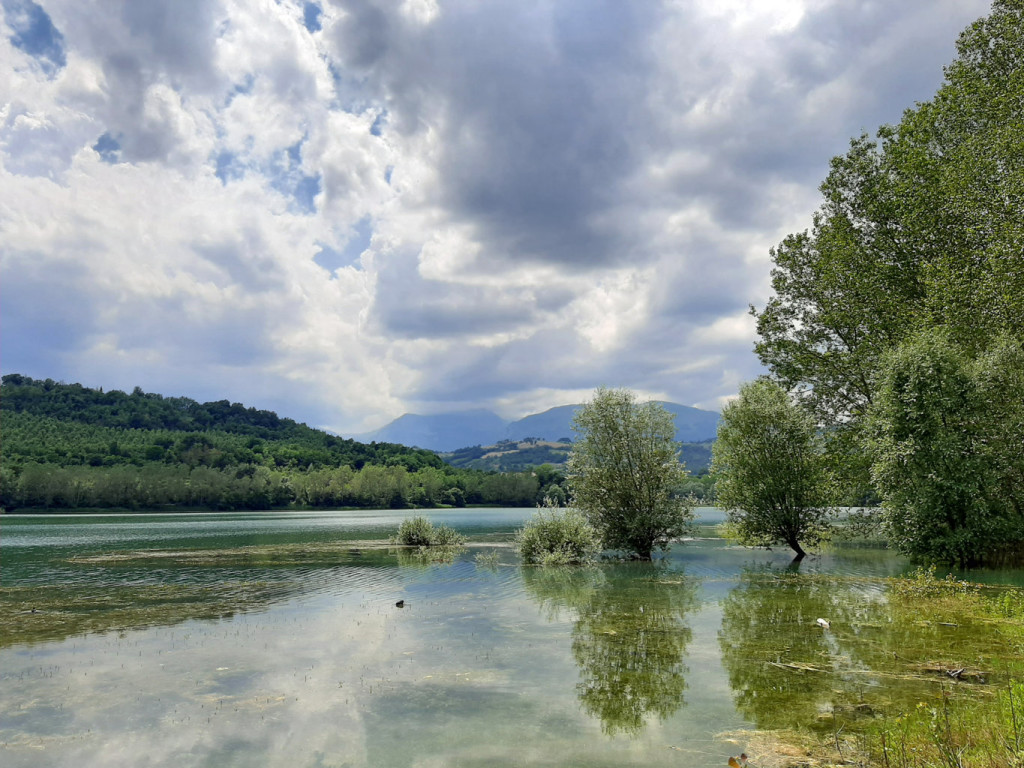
<point>420,532</point>
<point>39,614</point>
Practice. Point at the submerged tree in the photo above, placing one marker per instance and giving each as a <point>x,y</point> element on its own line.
<point>624,472</point>
<point>948,439</point>
<point>771,472</point>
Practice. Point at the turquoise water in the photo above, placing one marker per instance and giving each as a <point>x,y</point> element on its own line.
<point>274,639</point>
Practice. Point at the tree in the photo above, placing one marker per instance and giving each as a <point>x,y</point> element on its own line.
<point>919,227</point>
<point>947,437</point>
<point>772,476</point>
<point>624,470</point>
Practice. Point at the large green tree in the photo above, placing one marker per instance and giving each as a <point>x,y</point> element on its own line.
<point>919,226</point>
<point>624,472</point>
<point>948,442</point>
<point>770,469</point>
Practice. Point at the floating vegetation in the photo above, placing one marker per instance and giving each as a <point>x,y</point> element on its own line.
<point>420,532</point>
<point>259,555</point>
<point>45,613</point>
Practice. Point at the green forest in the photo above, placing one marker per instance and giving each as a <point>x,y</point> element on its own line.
<point>898,316</point>
<point>66,446</point>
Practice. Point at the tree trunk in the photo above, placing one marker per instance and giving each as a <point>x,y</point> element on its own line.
<point>795,546</point>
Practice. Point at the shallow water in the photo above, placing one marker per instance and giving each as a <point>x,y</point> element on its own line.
<point>274,639</point>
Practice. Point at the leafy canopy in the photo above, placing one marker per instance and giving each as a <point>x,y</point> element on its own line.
<point>770,469</point>
<point>624,472</point>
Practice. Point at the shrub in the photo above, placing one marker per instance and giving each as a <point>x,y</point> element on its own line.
<point>420,532</point>
<point>558,537</point>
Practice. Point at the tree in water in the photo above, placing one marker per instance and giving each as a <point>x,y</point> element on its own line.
<point>624,473</point>
<point>772,477</point>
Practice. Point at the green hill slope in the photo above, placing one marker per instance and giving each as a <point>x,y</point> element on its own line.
<point>65,446</point>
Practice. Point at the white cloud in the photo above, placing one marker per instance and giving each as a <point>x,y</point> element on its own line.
<point>522,201</point>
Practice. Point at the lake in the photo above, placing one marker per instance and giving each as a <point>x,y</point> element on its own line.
<point>274,639</point>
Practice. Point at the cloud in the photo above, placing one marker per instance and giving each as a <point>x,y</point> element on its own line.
<point>349,209</point>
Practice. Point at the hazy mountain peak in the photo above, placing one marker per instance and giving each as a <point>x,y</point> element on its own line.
<point>460,429</point>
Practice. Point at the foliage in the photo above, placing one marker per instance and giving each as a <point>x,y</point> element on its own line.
<point>624,470</point>
<point>420,532</point>
<point>772,478</point>
<point>69,447</point>
<point>919,228</point>
<point>948,434</point>
<point>557,537</point>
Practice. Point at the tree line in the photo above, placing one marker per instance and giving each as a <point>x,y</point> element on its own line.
<point>66,446</point>
<point>895,335</point>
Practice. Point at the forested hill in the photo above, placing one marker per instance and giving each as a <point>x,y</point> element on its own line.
<point>69,446</point>
<point>288,442</point>
<point>141,410</point>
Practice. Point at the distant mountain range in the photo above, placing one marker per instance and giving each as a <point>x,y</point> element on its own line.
<point>461,429</point>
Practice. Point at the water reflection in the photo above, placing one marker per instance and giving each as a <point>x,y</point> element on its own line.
<point>629,638</point>
<point>782,663</point>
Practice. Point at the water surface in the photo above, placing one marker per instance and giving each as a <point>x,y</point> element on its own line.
<point>274,639</point>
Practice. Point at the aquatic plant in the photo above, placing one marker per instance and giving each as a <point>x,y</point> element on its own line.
<point>420,532</point>
<point>558,537</point>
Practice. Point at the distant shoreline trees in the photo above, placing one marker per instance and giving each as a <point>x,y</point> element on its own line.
<point>68,447</point>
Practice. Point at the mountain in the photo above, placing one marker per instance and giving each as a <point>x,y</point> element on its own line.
<point>692,424</point>
<point>450,431</point>
<point>552,424</point>
<point>440,432</point>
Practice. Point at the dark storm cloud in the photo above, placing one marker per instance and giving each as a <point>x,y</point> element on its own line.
<point>410,306</point>
<point>533,107</point>
<point>139,45</point>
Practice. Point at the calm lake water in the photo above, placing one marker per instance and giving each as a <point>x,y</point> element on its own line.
<point>274,639</point>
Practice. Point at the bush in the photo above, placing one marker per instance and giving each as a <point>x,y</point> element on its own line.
<point>558,537</point>
<point>420,532</point>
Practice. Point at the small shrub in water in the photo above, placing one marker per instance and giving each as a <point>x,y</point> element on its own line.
<point>558,537</point>
<point>420,532</point>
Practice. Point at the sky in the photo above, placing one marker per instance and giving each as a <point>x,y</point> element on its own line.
<point>347,210</point>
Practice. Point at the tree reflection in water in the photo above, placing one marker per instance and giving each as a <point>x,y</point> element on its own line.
<point>781,663</point>
<point>629,638</point>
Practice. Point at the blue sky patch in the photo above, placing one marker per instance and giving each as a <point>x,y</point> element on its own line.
<point>229,168</point>
<point>286,176</point>
<point>109,149</point>
<point>305,192</point>
<point>35,34</point>
<point>332,259</point>
<point>378,124</point>
<point>311,17</point>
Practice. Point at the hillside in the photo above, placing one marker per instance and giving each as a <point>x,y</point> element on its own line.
<point>520,455</point>
<point>66,446</point>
